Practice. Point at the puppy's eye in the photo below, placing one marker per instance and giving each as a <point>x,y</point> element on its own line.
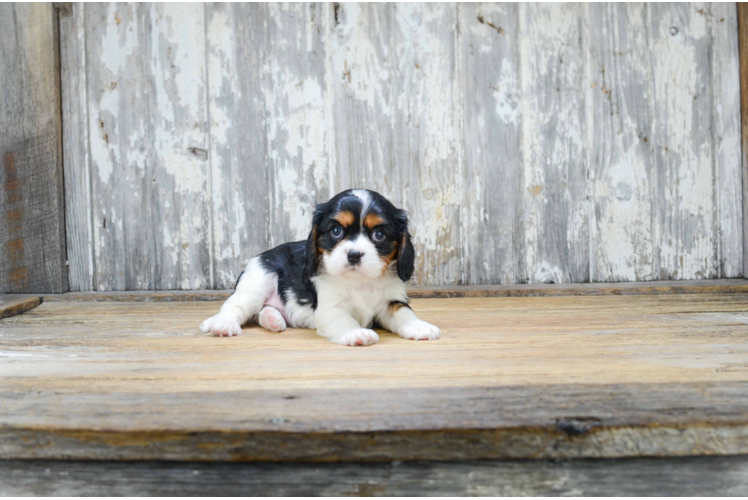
<point>337,232</point>
<point>378,236</point>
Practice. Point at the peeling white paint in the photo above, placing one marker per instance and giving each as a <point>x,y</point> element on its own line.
<point>200,157</point>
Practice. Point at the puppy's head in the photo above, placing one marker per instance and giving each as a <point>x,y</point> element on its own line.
<point>359,235</point>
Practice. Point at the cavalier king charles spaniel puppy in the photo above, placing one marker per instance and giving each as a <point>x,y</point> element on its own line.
<point>348,275</point>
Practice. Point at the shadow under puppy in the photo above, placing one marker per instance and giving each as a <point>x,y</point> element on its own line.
<point>349,274</point>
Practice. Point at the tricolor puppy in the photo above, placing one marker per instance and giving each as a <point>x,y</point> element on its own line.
<point>349,274</point>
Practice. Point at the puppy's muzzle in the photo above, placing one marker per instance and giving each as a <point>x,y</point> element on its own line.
<point>354,257</point>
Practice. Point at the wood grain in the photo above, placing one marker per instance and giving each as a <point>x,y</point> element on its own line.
<point>726,137</point>
<point>395,88</point>
<point>702,476</point>
<point>147,127</point>
<point>621,158</point>
<point>522,377</point>
<point>178,132</point>
<point>32,229</point>
<point>492,211</point>
<point>15,306</point>
<point>556,214</point>
<point>529,143</point>
<point>685,215</point>
<point>742,13</point>
<point>76,154</point>
<point>269,127</point>
<point>441,292</point>
<point>240,182</point>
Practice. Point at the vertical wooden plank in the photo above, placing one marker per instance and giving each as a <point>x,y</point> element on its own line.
<point>32,230</point>
<point>725,70</point>
<point>685,215</point>
<point>149,146</point>
<point>556,221</point>
<point>492,211</point>
<point>78,216</point>
<point>178,133</point>
<point>121,150</point>
<point>743,49</point>
<point>297,120</point>
<point>363,69</point>
<point>619,141</point>
<point>269,126</point>
<point>394,73</point>
<point>236,49</point>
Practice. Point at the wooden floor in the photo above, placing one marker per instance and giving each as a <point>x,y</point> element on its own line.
<point>683,477</point>
<point>512,377</point>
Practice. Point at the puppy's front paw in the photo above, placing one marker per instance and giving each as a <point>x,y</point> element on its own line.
<point>221,325</point>
<point>359,336</point>
<point>419,330</point>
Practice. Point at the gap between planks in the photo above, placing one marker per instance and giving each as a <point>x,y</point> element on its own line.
<point>737,285</point>
<point>13,304</point>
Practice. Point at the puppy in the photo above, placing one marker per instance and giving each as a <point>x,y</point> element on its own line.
<point>349,274</point>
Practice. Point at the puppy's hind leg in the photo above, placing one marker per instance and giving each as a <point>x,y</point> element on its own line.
<point>254,287</point>
<point>271,319</point>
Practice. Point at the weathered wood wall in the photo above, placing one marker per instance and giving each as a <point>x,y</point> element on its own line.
<point>529,142</point>
<point>32,225</point>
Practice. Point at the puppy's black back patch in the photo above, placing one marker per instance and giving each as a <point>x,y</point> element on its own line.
<point>288,262</point>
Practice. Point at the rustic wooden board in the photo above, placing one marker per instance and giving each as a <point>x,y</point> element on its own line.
<point>555,167</point>
<point>396,120</point>
<point>529,143</point>
<point>619,99</point>
<point>492,209</point>
<point>525,377</point>
<point>743,49</point>
<point>726,133</point>
<point>147,130</point>
<point>685,221</point>
<point>240,185</point>
<point>17,305</point>
<point>76,155</point>
<point>702,476</point>
<point>270,150</point>
<point>441,292</point>
<point>32,229</point>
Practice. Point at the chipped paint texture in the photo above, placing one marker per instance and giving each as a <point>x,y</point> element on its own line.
<point>529,143</point>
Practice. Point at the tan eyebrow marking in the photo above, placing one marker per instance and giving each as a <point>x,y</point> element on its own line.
<point>387,259</point>
<point>345,218</point>
<point>372,220</point>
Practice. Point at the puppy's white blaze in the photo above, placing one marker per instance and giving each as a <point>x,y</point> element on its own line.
<point>365,198</point>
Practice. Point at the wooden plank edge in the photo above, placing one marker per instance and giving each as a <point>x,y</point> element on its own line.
<point>736,285</point>
<point>560,441</point>
<point>743,51</point>
<point>19,306</point>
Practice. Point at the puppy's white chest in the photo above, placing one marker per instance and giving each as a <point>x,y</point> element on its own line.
<point>365,301</point>
<point>361,299</point>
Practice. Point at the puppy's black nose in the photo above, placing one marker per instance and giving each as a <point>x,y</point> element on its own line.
<point>354,257</point>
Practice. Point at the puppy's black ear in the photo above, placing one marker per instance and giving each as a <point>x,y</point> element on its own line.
<point>312,263</point>
<point>406,254</point>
